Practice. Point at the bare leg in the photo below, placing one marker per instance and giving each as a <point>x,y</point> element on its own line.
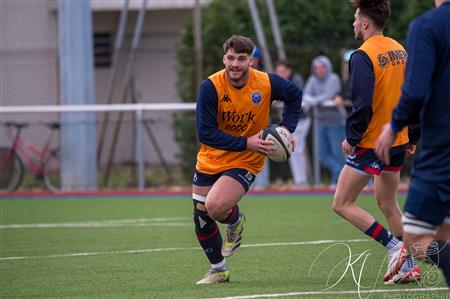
<point>223,196</point>
<point>386,185</point>
<point>443,232</point>
<point>349,186</point>
<point>417,244</point>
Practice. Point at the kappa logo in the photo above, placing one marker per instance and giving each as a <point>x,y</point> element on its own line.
<point>226,99</point>
<point>375,165</point>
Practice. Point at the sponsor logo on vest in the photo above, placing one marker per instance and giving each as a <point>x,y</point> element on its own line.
<point>392,58</point>
<point>226,99</point>
<point>256,98</point>
<point>238,122</point>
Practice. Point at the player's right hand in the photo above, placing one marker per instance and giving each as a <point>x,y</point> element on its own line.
<point>347,148</point>
<point>255,143</point>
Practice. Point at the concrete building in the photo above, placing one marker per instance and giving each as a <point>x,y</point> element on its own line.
<point>29,63</point>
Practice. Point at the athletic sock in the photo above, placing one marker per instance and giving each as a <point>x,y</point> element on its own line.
<point>219,267</point>
<point>438,254</point>
<point>377,232</point>
<point>408,265</point>
<point>233,216</point>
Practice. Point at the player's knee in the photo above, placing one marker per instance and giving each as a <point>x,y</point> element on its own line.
<point>215,211</point>
<point>203,223</point>
<point>443,232</point>
<point>386,206</point>
<point>338,207</point>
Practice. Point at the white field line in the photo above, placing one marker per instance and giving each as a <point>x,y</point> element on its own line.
<point>134,251</point>
<point>105,223</point>
<point>275,295</point>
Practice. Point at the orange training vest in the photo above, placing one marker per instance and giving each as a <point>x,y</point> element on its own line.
<point>241,112</point>
<point>389,64</point>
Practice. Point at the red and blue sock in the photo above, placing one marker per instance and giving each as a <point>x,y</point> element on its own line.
<point>377,232</point>
<point>233,216</point>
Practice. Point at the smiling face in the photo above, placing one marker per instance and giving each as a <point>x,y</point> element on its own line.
<point>237,67</point>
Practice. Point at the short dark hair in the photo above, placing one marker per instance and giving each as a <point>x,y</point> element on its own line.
<point>240,44</point>
<point>379,11</point>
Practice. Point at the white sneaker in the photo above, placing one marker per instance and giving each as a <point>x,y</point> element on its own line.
<point>212,277</point>
<point>234,237</point>
<point>406,277</point>
<point>396,259</point>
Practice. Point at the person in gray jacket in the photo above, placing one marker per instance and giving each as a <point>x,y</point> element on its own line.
<point>320,90</point>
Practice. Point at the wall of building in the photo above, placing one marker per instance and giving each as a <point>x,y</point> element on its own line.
<point>155,76</point>
<point>29,68</point>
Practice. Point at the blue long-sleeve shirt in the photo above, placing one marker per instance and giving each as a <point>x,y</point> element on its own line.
<point>207,109</point>
<point>362,80</point>
<point>426,94</point>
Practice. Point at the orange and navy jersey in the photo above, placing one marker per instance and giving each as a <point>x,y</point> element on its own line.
<point>377,71</point>
<point>226,116</point>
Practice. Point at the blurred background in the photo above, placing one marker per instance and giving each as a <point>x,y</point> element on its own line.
<point>127,57</point>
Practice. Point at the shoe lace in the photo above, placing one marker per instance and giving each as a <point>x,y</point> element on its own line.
<point>232,232</point>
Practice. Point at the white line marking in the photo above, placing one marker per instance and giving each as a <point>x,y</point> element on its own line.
<point>331,293</point>
<point>174,249</point>
<point>104,223</point>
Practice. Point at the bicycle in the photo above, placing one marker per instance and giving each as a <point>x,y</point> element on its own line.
<point>43,162</point>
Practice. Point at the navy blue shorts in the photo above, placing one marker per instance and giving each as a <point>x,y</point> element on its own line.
<point>243,176</point>
<point>426,206</point>
<point>365,160</point>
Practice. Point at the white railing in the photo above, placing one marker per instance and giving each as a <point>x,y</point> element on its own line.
<point>137,108</point>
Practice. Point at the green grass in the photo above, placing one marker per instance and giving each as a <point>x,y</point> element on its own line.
<point>114,273</point>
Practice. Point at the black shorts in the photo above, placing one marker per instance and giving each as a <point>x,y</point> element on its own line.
<point>243,176</point>
<point>365,160</point>
<point>426,206</point>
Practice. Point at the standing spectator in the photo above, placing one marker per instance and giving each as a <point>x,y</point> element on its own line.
<point>320,90</point>
<point>298,161</point>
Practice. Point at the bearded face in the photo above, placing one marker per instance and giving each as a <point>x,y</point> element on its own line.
<point>237,67</point>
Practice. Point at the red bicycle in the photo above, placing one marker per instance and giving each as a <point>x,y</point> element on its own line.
<point>43,162</point>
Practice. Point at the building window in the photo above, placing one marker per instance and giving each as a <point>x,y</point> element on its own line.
<point>102,49</point>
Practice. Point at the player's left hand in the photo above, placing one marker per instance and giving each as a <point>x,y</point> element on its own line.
<point>384,144</point>
<point>347,148</point>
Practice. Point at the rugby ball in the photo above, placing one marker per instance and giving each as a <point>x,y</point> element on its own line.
<point>282,140</point>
